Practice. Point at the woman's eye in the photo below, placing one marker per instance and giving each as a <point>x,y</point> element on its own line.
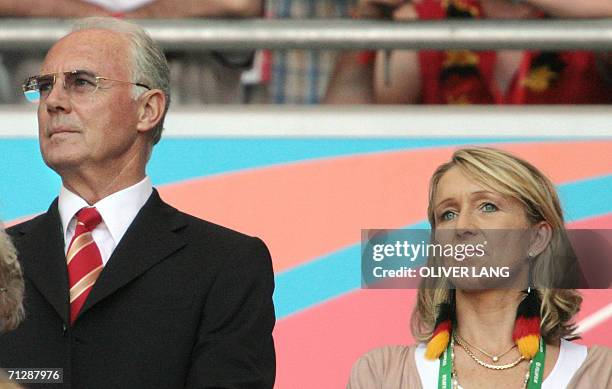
<point>488,207</point>
<point>448,215</point>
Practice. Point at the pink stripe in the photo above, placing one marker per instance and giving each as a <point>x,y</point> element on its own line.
<point>316,348</point>
<point>316,207</point>
<point>601,222</point>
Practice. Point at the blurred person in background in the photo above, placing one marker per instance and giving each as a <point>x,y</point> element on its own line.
<point>474,77</point>
<point>198,77</point>
<point>5,84</point>
<point>11,294</point>
<point>301,76</point>
<point>203,77</point>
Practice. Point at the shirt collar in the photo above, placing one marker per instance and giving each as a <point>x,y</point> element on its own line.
<point>118,210</point>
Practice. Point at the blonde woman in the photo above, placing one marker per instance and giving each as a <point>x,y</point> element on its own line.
<point>503,338</point>
<point>11,294</point>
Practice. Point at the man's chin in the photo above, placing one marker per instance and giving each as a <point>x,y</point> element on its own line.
<point>62,163</point>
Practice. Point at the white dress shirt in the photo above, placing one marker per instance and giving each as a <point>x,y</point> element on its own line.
<point>118,211</point>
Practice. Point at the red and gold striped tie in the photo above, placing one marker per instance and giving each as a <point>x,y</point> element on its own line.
<point>84,260</point>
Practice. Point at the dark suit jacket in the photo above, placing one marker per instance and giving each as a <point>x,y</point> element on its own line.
<point>181,303</point>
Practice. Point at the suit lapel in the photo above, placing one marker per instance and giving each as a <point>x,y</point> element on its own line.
<point>150,239</point>
<point>43,259</point>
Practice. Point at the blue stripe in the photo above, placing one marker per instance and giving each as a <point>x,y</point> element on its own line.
<point>587,198</point>
<point>27,186</point>
<point>338,273</point>
<point>180,159</point>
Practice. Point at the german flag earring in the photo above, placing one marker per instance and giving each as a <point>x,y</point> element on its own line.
<point>526,332</point>
<point>442,332</point>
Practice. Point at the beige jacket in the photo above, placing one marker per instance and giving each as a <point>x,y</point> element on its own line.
<point>394,367</point>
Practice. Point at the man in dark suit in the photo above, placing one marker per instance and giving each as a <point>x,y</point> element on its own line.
<point>122,290</point>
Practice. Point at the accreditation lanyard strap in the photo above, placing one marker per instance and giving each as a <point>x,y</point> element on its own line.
<point>536,372</point>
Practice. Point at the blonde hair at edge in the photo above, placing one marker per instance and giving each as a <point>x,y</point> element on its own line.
<point>508,175</point>
<point>11,282</point>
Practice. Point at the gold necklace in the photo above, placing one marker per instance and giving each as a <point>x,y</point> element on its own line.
<point>455,376</point>
<point>494,358</point>
<point>483,363</point>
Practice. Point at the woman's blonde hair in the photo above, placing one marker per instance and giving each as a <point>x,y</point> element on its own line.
<point>11,285</point>
<point>511,176</point>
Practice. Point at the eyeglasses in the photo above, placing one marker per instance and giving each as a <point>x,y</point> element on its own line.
<point>77,83</point>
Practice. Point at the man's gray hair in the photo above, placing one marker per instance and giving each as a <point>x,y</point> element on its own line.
<point>149,63</point>
<point>11,285</point>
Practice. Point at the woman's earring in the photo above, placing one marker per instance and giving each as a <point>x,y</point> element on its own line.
<point>442,330</point>
<point>526,332</point>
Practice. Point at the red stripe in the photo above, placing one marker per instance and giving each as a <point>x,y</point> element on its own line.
<point>76,305</point>
<point>444,326</point>
<point>84,262</point>
<point>526,326</point>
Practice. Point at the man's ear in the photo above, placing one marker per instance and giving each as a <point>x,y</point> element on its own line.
<point>150,110</point>
<point>540,239</point>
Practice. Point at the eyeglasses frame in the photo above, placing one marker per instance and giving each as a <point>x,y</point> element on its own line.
<point>97,78</point>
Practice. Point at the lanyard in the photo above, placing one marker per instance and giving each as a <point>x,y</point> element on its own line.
<point>536,370</point>
<point>446,368</point>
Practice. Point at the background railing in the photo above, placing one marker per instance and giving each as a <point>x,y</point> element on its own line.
<point>205,34</point>
<point>372,121</point>
<point>325,121</point>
